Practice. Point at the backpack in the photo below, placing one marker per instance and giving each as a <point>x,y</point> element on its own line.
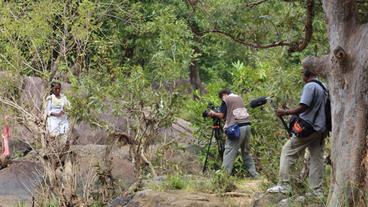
<point>327,107</point>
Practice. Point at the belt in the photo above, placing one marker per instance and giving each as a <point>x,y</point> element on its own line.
<point>243,124</point>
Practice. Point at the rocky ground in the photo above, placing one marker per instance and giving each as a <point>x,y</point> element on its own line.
<point>248,193</point>
<point>242,196</point>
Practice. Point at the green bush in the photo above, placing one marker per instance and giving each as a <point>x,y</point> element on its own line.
<point>175,182</point>
<point>222,182</point>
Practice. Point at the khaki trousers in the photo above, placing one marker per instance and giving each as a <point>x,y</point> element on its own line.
<point>231,151</point>
<point>295,147</point>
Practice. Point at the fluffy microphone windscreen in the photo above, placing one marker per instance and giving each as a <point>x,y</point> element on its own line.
<point>258,102</point>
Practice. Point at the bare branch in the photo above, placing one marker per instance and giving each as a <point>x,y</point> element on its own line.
<point>191,3</point>
<point>254,4</point>
<point>249,43</point>
<point>308,29</point>
<point>16,106</point>
<point>144,158</point>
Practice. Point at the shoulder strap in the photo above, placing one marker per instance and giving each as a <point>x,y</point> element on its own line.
<point>324,88</point>
<point>320,84</point>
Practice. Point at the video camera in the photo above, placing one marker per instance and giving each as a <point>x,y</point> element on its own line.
<point>210,106</point>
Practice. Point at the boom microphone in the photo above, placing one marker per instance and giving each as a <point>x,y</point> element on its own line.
<point>259,101</point>
<point>263,100</point>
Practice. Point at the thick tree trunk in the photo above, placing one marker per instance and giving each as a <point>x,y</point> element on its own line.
<point>346,69</point>
<point>194,77</point>
<point>349,87</point>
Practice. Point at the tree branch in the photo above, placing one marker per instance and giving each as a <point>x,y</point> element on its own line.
<point>294,46</point>
<point>191,3</point>
<point>246,42</point>
<point>308,29</point>
<point>254,4</point>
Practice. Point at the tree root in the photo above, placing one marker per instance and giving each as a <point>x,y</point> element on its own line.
<point>144,158</point>
<point>234,194</point>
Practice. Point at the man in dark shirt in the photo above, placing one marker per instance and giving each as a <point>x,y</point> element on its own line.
<point>233,111</point>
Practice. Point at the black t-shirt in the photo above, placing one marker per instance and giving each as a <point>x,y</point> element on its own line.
<point>223,108</point>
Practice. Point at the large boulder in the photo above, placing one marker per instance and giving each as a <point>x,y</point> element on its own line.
<point>19,140</point>
<point>92,135</point>
<point>20,179</point>
<point>176,147</point>
<point>91,157</point>
<point>180,130</point>
<point>33,93</point>
<point>18,183</point>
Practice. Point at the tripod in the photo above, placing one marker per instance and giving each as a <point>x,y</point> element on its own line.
<point>217,131</point>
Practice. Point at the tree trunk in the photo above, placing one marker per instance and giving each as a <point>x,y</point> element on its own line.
<point>195,80</point>
<point>194,77</point>
<point>346,69</point>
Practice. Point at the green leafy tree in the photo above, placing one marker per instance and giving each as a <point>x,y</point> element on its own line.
<point>344,67</point>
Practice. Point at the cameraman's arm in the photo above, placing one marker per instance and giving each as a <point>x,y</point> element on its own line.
<point>306,101</point>
<point>216,114</point>
<point>298,110</point>
<point>221,114</point>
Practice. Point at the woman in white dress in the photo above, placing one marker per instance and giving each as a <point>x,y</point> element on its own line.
<point>57,103</point>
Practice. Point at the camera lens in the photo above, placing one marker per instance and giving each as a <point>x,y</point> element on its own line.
<point>205,113</point>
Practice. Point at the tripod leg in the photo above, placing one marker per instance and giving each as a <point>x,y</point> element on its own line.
<point>208,151</point>
<point>220,143</point>
<point>285,126</point>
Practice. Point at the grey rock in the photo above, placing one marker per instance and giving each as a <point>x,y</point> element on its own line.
<point>33,94</point>
<point>90,157</point>
<point>19,180</point>
<point>284,202</point>
<point>267,199</point>
<point>120,201</point>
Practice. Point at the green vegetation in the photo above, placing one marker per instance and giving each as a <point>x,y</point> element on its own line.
<point>216,182</point>
<point>137,58</point>
<point>182,182</point>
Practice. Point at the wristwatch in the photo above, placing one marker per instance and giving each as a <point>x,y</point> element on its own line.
<point>287,112</point>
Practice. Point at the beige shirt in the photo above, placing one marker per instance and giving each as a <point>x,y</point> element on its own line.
<point>236,111</point>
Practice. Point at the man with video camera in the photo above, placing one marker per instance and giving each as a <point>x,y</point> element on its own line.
<point>232,109</point>
<point>308,131</point>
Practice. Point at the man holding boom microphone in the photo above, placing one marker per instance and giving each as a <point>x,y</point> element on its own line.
<point>311,111</point>
<point>232,109</point>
